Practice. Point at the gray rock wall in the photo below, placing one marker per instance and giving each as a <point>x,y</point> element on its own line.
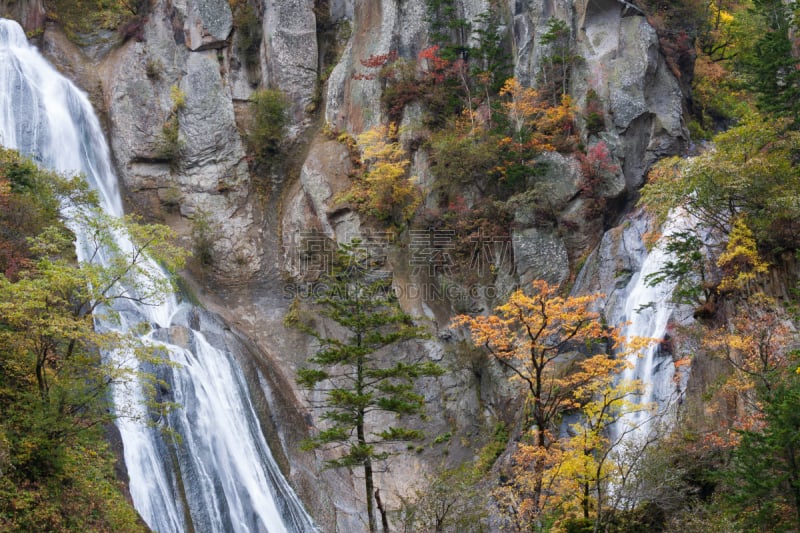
<point>289,57</point>
<point>643,99</point>
<point>182,57</point>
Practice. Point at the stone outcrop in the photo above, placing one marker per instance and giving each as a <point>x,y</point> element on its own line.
<point>207,23</point>
<point>153,83</point>
<point>311,205</point>
<point>29,13</point>
<point>289,58</point>
<point>624,67</point>
<point>539,254</point>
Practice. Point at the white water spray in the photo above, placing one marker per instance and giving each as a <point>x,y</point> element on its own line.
<point>648,309</point>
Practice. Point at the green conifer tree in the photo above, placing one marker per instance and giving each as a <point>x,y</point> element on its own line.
<point>355,373</point>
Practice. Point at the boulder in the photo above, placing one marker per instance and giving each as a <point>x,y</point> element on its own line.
<point>561,180</point>
<point>207,23</point>
<point>539,254</point>
<point>290,54</point>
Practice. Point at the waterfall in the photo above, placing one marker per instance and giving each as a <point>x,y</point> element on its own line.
<point>221,476</point>
<point>647,310</point>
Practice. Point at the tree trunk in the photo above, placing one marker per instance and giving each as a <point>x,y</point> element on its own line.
<point>586,501</point>
<point>41,374</point>
<point>369,487</point>
<point>382,509</point>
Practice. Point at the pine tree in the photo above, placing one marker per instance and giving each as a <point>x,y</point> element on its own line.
<point>771,67</point>
<point>355,373</point>
<point>764,477</point>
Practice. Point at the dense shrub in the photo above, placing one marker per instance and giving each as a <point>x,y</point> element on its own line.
<point>268,120</point>
<point>460,159</point>
<point>80,18</point>
<point>383,190</point>
<point>471,237</point>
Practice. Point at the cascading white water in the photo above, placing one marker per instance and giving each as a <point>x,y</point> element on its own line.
<point>222,476</point>
<point>647,309</point>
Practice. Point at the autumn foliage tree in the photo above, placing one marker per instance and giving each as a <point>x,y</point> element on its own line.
<point>578,468</point>
<point>759,487</point>
<point>526,336</point>
<point>55,384</point>
<point>384,191</point>
<point>591,459</point>
<point>537,122</point>
<point>440,83</point>
<point>756,344</point>
<point>742,196</point>
<point>529,335</point>
<point>740,262</point>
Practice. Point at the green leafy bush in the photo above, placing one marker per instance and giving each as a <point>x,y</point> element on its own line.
<point>169,145</point>
<point>461,159</point>
<point>203,237</point>
<point>269,116</point>
<point>153,68</point>
<point>493,449</point>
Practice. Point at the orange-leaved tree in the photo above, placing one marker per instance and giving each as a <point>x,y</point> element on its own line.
<point>756,342</point>
<point>529,335</point>
<point>526,335</point>
<point>535,122</point>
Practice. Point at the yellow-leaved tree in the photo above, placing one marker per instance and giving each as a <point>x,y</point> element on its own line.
<point>384,191</point>
<point>522,107</point>
<point>740,263</point>
<point>590,459</point>
<point>535,122</point>
<point>540,337</point>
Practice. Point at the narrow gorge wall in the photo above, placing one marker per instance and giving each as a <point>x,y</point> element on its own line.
<point>188,50</point>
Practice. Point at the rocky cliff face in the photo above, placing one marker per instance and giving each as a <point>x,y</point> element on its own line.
<point>188,68</point>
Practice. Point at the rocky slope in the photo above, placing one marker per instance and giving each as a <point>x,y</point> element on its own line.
<point>252,216</point>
